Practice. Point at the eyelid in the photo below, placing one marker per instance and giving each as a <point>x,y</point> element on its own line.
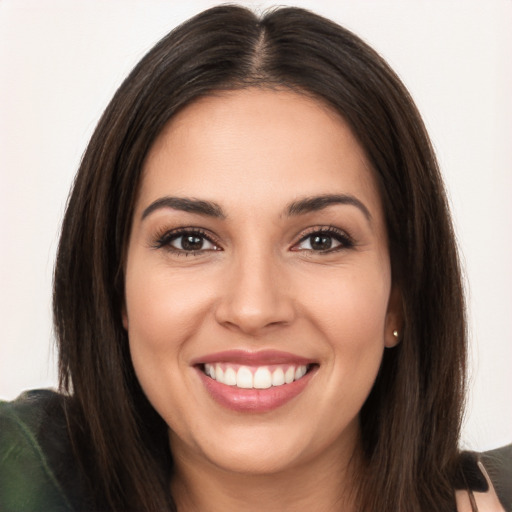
<point>342,236</point>
<point>163,237</point>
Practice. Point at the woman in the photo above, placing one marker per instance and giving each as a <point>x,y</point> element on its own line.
<point>257,294</point>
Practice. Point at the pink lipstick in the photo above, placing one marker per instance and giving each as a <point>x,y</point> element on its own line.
<point>254,381</point>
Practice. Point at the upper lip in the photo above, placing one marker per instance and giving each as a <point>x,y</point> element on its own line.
<point>259,358</point>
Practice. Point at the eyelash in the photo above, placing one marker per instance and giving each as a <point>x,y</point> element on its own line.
<point>344,239</point>
<point>165,237</point>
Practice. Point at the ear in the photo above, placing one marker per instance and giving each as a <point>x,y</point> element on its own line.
<point>394,324</point>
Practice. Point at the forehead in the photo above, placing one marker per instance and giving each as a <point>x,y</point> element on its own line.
<point>260,145</point>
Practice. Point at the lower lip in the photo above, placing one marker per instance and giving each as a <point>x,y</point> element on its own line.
<point>254,400</point>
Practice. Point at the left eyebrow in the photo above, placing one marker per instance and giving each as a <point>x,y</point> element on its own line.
<point>185,204</point>
<point>316,203</point>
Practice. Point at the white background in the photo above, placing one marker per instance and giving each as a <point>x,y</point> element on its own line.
<point>61,61</point>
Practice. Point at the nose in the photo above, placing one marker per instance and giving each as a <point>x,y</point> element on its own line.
<point>256,296</point>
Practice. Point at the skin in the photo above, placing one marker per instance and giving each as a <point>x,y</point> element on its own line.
<point>260,285</point>
<point>485,501</point>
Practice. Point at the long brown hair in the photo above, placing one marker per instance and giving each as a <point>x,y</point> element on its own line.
<point>410,422</point>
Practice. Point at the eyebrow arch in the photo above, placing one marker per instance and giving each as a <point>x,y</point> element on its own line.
<point>316,203</point>
<point>185,204</point>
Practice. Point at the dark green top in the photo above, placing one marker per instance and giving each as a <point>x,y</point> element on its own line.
<point>38,472</point>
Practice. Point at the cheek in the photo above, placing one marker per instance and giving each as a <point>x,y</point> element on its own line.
<point>351,307</point>
<point>164,307</point>
<point>350,312</point>
<point>355,332</point>
<point>164,310</point>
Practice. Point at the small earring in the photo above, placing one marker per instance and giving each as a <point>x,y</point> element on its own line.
<point>395,333</point>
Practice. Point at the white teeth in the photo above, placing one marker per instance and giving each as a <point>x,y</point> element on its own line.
<point>299,372</point>
<point>249,378</point>
<point>278,377</point>
<point>289,375</point>
<point>244,378</point>
<point>219,373</point>
<point>230,377</point>
<point>209,370</point>
<point>262,378</point>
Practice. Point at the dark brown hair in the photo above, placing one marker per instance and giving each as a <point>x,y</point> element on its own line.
<point>410,422</point>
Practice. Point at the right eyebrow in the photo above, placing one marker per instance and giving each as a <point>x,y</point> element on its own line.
<point>316,203</point>
<point>185,204</point>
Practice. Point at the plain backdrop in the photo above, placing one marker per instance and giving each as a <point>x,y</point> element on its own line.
<point>61,61</point>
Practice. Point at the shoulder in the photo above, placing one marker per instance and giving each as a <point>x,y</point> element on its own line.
<point>486,481</point>
<point>37,469</point>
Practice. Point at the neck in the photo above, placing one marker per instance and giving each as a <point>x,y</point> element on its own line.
<point>325,484</point>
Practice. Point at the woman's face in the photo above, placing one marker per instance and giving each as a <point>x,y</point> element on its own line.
<point>258,252</point>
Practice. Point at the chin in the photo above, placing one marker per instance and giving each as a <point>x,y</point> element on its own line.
<point>258,459</point>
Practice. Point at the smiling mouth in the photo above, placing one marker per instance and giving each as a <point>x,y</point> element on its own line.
<point>255,377</point>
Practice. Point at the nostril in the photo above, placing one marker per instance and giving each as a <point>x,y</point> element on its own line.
<point>254,298</point>
<point>252,320</point>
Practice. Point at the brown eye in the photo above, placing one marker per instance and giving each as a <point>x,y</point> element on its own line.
<point>324,241</point>
<point>321,242</point>
<point>190,242</point>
